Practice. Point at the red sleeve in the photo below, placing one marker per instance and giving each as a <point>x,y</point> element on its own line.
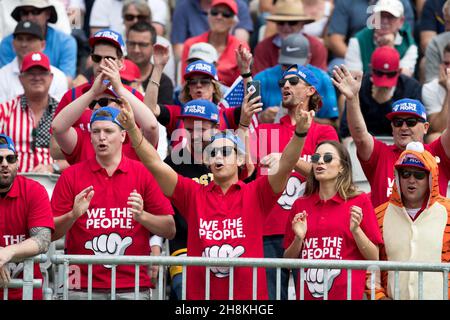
<point>183,195</point>
<point>63,195</point>
<point>263,193</point>
<point>373,160</point>
<point>39,210</point>
<point>319,54</point>
<point>154,200</point>
<point>437,149</point>
<point>289,234</point>
<point>369,223</point>
<point>327,132</point>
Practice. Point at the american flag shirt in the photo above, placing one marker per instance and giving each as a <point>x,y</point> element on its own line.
<point>32,140</point>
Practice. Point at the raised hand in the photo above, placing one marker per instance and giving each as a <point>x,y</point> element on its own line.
<point>137,204</point>
<point>126,115</point>
<point>356,216</point>
<point>160,55</point>
<point>99,86</point>
<point>300,225</point>
<point>112,73</point>
<point>244,59</point>
<point>303,119</point>
<point>82,201</point>
<point>347,83</point>
<point>249,108</point>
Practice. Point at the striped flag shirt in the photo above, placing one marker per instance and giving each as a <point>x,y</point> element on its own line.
<point>32,140</point>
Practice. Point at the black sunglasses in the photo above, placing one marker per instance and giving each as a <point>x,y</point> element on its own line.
<point>327,157</point>
<point>225,151</point>
<point>410,122</point>
<point>292,80</point>
<point>226,14</point>
<point>34,12</point>
<point>132,17</point>
<point>97,58</point>
<point>389,74</point>
<point>419,175</point>
<point>194,82</point>
<point>10,158</point>
<point>102,102</point>
<point>291,23</point>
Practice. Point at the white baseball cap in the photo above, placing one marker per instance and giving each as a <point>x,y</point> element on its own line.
<point>394,7</point>
<point>203,51</point>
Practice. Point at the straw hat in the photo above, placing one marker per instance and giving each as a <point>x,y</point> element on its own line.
<point>289,10</point>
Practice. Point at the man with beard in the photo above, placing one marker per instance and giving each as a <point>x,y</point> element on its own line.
<point>299,90</point>
<point>26,220</point>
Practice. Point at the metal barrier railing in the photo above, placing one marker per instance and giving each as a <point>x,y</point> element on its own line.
<point>255,263</point>
<point>27,283</point>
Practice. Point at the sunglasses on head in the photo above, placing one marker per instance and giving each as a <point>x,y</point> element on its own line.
<point>102,102</point>
<point>292,80</point>
<point>327,157</point>
<point>224,151</point>
<point>34,12</point>
<point>389,74</point>
<point>226,14</point>
<point>419,175</point>
<point>290,23</point>
<point>132,17</point>
<point>97,58</point>
<point>410,122</point>
<point>194,82</point>
<point>10,158</point>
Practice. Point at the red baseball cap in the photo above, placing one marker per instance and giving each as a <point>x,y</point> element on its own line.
<point>35,59</point>
<point>229,3</point>
<point>385,65</point>
<point>130,71</point>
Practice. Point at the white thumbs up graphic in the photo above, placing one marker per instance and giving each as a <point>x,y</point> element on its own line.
<point>315,280</point>
<point>108,245</point>
<point>224,251</point>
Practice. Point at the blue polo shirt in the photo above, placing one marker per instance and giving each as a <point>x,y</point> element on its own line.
<point>60,48</point>
<point>192,21</point>
<point>271,92</point>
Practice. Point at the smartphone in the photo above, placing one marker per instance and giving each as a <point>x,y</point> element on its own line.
<point>254,87</point>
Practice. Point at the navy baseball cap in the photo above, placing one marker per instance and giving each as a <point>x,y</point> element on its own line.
<point>9,143</point>
<point>200,109</point>
<point>201,67</point>
<point>108,35</point>
<point>232,137</point>
<point>408,107</point>
<point>112,115</point>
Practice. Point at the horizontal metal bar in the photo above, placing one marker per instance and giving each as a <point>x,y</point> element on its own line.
<point>18,283</point>
<point>252,262</point>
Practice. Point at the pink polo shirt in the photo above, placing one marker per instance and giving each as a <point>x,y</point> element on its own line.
<point>226,226</point>
<point>108,227</point>
<point>379,169</point>
<point>273,138</point>
<point>25,206</point>
<point>329,237</point>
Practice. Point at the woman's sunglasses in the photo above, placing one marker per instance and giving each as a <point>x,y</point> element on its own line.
<point>292,80</point>
<point>327,157</point>
<point>132,17</point>
<point>102,102</point>
<point>226,14</point>
<point>10,158</point>
<point>410,122</point>
<point>419,175</point>
<point>194,82</point>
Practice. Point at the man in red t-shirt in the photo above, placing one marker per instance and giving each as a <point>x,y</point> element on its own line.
<point>224,217</point>
<point>409,123</point>
<point>298,86</point>
<point>110,205</point>
<point>26,220</point>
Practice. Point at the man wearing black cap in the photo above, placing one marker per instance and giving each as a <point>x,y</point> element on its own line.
<point>27,37</point>
<point>61,48</point>
<point>26,216</point>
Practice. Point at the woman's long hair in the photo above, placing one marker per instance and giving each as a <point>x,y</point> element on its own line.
<point>344,182</point>
<point>185,96</point>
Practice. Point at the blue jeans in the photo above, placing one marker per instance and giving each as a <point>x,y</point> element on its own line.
<point>273,248</point>
<point>176,285</point>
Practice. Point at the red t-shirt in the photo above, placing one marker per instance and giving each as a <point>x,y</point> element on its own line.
<point>25,206</point>
<point>273,138</point>
<point>379,169</point>
<point>227,67</point>
<point>84,121</point>
<point>108,227</point>
<point>84,150</point>
<point>328,237</point>
<point>224,225</point>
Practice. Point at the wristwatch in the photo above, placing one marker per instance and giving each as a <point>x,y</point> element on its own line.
<point>56,168</point>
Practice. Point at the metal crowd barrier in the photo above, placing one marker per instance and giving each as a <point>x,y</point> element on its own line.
<point>255,263</point>
<point>28,283</point>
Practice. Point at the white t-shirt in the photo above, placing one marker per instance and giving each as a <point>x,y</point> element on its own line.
<point>433,96</point>
<point>10,86</point>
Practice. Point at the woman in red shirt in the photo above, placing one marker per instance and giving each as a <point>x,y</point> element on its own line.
<point>333,220</point>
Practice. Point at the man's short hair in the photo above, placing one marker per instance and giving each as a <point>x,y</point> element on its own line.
<point>107,43</point>
<point>142,26</point>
